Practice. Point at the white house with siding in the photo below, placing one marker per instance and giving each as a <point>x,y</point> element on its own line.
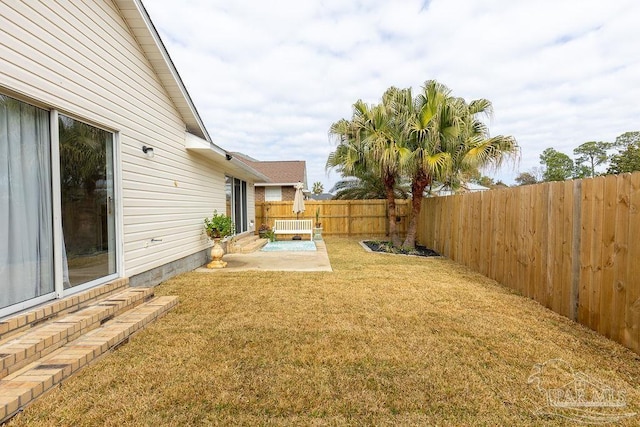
<point>106,168</point>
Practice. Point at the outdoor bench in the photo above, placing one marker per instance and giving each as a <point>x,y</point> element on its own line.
<point>293,226</point>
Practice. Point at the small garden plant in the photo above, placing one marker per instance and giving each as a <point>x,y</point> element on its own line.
<point>265,232</point>
<point>219,226</point>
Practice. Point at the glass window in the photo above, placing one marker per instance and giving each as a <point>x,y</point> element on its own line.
<point>236,190</point>
<point>87,195</point>
<point>227,189</point>
<point>243,187</point>
<point>273,194</point>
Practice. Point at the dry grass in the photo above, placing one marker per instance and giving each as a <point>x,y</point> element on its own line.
<point>383,340</point>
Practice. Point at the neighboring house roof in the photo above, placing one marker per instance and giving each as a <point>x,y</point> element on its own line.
<point>283,172</point>
<point>471,187</point>
<point>144,31</point>
<point>445,190</point>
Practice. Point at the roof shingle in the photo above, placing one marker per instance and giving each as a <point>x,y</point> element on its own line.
<point>279,172</point>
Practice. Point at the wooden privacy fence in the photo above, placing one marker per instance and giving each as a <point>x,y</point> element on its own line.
<point>339,217</point>
<point>573,246</point>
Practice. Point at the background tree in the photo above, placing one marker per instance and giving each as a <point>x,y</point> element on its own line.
<point>627,160</point>
<point>627,138</point>
<point>526,178</point>
<point>532,176</point>
<point>592,154</point>
<point>478,178</point>
<point>581,171</point>
<point>557,166</point>
<point>628,157</point>
<point>318,188</point>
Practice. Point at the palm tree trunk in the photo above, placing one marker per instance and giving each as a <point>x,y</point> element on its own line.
<point>419,183</point>
<point>389,184</point>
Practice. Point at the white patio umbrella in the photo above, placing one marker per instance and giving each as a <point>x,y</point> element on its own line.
<point>298,200</point>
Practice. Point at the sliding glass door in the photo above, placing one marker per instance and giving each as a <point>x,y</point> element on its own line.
<point>236,190</point>
<point>26,213</point>
<point>36,144</point>
<point>87,198</point>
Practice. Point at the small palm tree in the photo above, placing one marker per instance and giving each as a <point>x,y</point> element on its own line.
<point>318,188</point>
<point>447,140</point>
<point>371,140</point>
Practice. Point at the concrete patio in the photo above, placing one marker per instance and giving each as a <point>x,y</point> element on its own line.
<point>276,261</point>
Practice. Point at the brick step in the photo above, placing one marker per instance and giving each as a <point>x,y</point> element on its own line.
<point>17,323</point>
<point>30,345</point>
<point>23,386</point>
<point>246,244</point>
<point>254,246</point>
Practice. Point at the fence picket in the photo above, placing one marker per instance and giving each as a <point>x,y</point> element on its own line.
<point>596,253</point>
<point>586,264</point>
<point>619,283</point>
<point>631,334</point>
<point>566,221</point>
<point>556,245</point>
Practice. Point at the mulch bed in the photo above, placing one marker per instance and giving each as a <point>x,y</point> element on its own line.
<point>378,246</point>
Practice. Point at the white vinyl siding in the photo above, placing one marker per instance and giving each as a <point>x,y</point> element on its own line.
<point>80,58</point>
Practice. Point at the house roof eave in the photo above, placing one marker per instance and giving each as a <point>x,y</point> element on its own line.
<point>140,24</point>
<point>222,159</point>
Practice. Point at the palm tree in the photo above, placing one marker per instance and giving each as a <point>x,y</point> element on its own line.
<point>371,141</point>
<point>431,123</point>
<point>447,140</point>
<point>434,136</point>
<point>318,188</point>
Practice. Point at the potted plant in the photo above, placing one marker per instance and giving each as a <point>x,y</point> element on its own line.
<point>218,227</point>
<point>318,223</point>
<point>263,230</point>
<point>270,235</point>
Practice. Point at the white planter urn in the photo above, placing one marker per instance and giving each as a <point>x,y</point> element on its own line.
<point>217,252</point>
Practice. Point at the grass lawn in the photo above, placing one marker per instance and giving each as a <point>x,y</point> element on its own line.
<point>382,340</point>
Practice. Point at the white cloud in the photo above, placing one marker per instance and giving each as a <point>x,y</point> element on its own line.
<point>269,78</point>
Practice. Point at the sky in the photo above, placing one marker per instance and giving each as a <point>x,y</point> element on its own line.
<point>269,78</point>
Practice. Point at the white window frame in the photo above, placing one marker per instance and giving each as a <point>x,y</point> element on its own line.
<point>276,195</point>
